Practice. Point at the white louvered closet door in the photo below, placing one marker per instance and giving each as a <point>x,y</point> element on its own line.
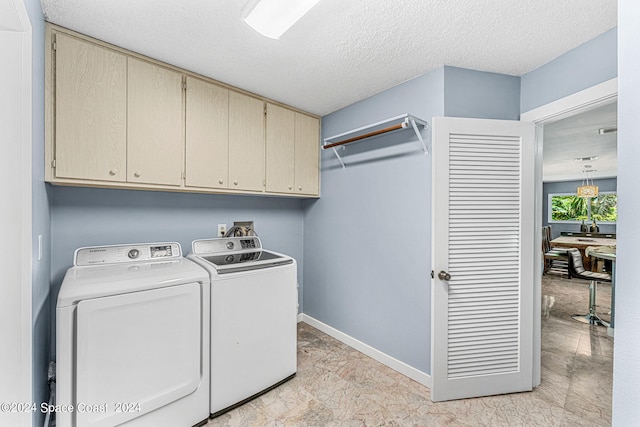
<point>482,257</point>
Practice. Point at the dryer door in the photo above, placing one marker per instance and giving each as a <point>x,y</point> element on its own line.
<point>136,352</point>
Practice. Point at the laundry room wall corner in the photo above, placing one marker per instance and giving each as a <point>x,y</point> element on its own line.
<point>41,227</point>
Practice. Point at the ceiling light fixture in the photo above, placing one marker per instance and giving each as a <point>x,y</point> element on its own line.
<point>586,189</point>
<point>272,18</point>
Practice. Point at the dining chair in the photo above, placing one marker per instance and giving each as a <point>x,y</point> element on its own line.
<point>577,271</point>
<point>555,259</point>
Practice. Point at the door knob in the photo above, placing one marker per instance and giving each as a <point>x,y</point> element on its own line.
<point>443,275</point>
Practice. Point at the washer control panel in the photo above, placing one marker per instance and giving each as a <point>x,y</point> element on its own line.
<point>99,255</point>
<point>225,244</point>
<point>133,253</point>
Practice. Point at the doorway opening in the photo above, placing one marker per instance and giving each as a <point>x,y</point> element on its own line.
<point>576,358</point>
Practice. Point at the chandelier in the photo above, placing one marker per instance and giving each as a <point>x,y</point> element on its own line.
<point>587,189</point>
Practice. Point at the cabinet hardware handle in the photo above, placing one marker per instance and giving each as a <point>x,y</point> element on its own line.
<point>137,174</point>
<point>112,172</point>
<point>235,182</point>
<point>290,187</point>
<point>221,181</point>
<point>300,188</point>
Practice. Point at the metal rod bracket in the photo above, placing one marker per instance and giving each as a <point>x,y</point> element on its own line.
<point>395,123</point>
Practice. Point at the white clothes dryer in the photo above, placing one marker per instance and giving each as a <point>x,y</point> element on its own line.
<point>132,338</point>
<point>254,304</point>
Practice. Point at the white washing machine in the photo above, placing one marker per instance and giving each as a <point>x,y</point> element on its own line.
<point>254,304</point>
<point>132,338</point>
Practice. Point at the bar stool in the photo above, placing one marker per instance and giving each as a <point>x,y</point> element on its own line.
<point>577,270</point>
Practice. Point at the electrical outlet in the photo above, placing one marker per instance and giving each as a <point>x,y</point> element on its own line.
<point>222,230</point>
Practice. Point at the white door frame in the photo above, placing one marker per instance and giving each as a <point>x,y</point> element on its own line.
<point>16,217</point>
<point>579,102</point>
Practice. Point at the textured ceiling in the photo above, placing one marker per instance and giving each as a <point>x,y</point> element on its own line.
<point>342,51</point>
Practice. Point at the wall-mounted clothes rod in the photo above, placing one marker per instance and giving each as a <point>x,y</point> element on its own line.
<point>366,135</point>
<point>403,121</point>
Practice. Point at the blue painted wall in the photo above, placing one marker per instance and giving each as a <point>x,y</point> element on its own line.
<point>587,65</point>
<point>604,185</point>
<point>481,95</point>
<point>368,239</point>
<point>92,216</point>
<point>41,301</point>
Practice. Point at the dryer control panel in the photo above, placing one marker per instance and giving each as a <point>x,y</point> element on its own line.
<point>116,254</point>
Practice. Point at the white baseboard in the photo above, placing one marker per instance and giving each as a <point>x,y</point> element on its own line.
<point>385,359</point>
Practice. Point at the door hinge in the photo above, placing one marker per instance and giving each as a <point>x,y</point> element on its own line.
<point>184,84</point>
<point>53,163</point>
<point>183,175</point>
<point>54,45</point>
<point>265,109</point>
<point>432,275</point>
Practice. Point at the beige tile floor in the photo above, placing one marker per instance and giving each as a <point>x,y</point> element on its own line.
<point>339,386</point>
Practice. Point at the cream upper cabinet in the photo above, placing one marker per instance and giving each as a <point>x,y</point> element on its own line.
<point>207,135</point>
<point>280,146</point>
<point>246,143</point>
<point>307,154</point>
<point>292,151</point>
<point>91,111</point>
<point>117,119</point>
<point>155,131</point>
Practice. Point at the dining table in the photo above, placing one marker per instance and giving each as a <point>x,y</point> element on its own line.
<point>582,243</point>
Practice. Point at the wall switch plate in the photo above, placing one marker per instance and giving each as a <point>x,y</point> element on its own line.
<point>222,230</point>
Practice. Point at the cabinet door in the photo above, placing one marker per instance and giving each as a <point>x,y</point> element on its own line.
<point>207,135</point>
<point>90,111</point>
<point>246,142</point>
<point>155,133</point>
<point>307,154</point>
<point>280,148</point>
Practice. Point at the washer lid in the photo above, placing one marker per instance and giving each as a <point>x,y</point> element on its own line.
<point>245,261</point>
<point>99,279</point>
<point>235,254</point>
